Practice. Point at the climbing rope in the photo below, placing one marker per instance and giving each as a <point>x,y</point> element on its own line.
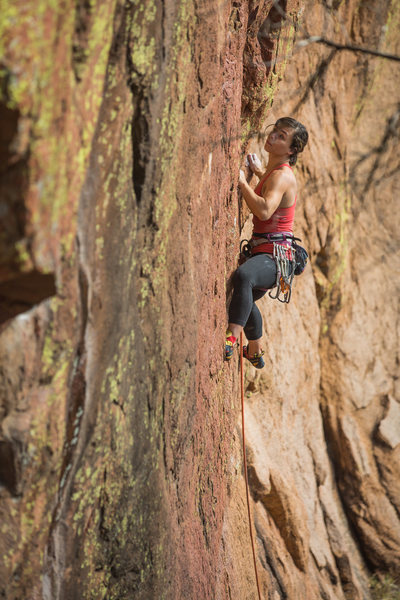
<point>245,465</point>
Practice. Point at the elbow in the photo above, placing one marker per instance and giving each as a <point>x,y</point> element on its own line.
<point>260,211</point>
<point>262,214</point>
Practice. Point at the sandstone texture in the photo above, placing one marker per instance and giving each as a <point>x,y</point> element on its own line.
<point>123,126</point>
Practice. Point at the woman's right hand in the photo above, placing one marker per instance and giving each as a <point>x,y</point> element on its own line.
<point>254,163</point>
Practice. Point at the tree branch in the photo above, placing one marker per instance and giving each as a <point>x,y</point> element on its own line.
<point>316,39</point>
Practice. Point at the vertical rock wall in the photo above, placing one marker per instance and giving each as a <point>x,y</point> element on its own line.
<point>334,352</point>
<point>123,129</point>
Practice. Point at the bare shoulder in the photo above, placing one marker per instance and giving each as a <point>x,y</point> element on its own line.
<point>287,174</point>
<point>282,178</point>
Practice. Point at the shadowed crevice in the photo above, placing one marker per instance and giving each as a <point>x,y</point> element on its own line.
<point>269,32</point>
<point>14,246</point>
<point>8,467</point>
<point>21,293</point>
<point>22,285</point>
<point>84,17</point>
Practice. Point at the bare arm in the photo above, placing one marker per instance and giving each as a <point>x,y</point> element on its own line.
<point>273,190</point>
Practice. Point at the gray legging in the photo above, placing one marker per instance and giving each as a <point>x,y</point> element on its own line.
<point>250,282</point>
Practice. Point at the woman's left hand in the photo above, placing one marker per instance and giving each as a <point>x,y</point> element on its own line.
<point>242,177</point>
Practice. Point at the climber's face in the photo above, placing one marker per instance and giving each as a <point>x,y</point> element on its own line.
<point>279,140</point>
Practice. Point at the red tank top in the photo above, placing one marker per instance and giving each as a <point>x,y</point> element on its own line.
<point>280,222</point>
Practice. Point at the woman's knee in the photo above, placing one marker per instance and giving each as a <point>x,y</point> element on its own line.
<point>241,277</point>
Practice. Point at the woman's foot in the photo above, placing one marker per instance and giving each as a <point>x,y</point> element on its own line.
<point>256,359</point>
<point>230,342</point>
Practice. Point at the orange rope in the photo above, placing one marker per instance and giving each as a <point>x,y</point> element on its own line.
<point>245,464</point>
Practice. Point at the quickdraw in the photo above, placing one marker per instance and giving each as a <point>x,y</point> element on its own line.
<point>285,265</point>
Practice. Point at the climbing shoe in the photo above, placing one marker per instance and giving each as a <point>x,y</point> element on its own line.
<point>230,342</point>
<point>256,360</point>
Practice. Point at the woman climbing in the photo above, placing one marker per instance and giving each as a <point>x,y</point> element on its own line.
<point>272,203</point>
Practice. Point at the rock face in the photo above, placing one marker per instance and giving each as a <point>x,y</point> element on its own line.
<point>123,128</point>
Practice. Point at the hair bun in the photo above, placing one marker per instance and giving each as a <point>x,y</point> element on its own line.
<point>300,136</point>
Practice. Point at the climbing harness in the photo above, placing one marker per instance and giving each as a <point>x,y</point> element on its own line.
<point>290,259</point>
<point>245,468</point>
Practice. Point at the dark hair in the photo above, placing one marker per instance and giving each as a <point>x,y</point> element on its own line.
<point>300,137</point>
